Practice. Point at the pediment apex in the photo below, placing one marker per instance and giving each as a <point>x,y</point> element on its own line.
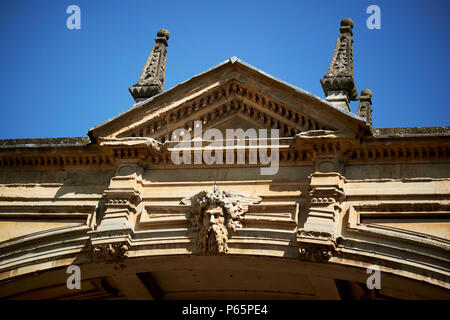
<point>252,87</point>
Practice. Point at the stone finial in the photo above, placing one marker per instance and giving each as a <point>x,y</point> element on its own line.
<point>151,80</point>
<point>338,84</point>
<point>346,26</point>
<point>365,106</point>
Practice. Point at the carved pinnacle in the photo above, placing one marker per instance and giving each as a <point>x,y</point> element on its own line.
<point>151,80</point>
<point>365,106</point>
<point>339,78</point>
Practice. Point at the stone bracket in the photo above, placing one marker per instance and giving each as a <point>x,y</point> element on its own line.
<point>122,201</point>
<point>325,197</point>
<point>110,251</point>
<point>110,245</point>
<point>315,246</point>
<point>317,238</point>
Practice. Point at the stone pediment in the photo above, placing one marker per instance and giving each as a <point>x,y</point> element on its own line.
<point>229,96</point>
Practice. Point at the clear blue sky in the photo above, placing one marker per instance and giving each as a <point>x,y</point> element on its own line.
<point>57,82</point>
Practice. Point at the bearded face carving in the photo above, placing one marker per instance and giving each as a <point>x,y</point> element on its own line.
<point>213,235</point>
<point>215,215</point>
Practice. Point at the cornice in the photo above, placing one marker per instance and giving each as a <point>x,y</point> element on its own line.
<point>296,151</point>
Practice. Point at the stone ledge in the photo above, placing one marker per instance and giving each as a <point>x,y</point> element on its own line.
<point>44,142</point>
<point>412,132</point>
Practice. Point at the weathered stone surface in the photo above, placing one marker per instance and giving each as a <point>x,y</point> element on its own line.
<point>412,132</point>
<point>15,143</point>
<point>345,197</point>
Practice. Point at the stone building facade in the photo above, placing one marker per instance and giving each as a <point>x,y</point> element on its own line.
<point>345,198</point>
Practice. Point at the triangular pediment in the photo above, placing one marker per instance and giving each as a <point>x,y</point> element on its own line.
<point>230,96</point>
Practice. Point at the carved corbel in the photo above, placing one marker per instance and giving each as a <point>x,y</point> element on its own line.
<point>315,253</point>
<point>316,239</point>
<point>118,200</point>
<point>315,245</point>
<point>120,205</point>
<point>121,202</point>
<point>325,197</point>
<point>326,148</point>
<point>110,251</point>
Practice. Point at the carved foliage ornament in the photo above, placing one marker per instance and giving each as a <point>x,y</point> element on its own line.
<point>214,215</point>
<point>315,253</point>
<point>110,251</point>
<point>317,246</point>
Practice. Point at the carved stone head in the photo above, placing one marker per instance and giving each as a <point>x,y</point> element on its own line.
<point>214,216</point>
<point>213,234</point>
